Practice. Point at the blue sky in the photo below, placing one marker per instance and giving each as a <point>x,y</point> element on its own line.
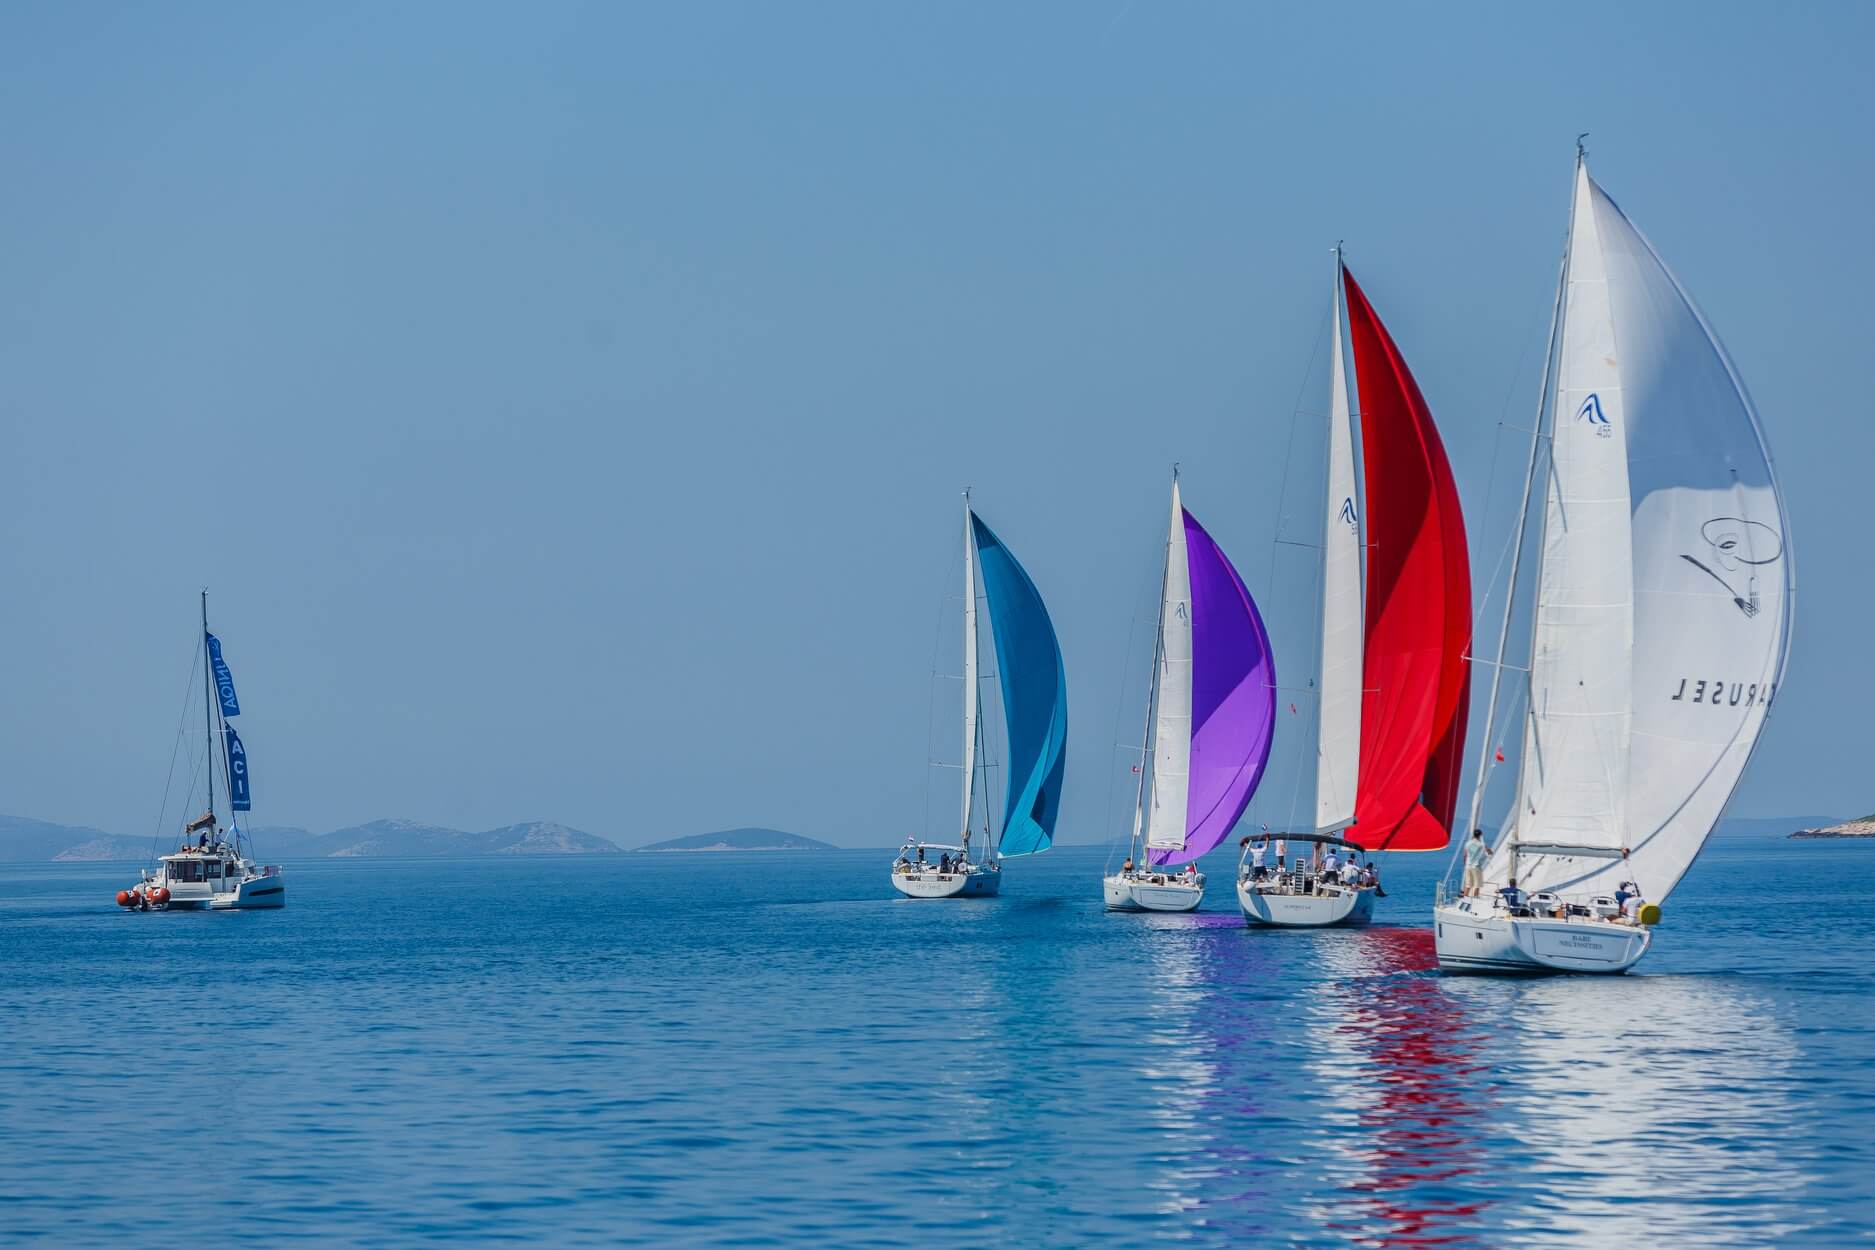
<point>566,405</point>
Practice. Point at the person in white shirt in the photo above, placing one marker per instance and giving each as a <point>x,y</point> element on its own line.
<point>1257,851</point>
<point>1282,851</point>
<point>1476,854</point>
<point>1331,865</point>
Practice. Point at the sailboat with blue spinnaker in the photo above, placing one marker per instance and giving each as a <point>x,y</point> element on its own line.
<point>1034,691</point>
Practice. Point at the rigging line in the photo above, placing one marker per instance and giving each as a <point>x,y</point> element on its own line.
<point>1295,419</point>
<point>182,722</point>
<point>930,718</point>
<point>1119,711</point>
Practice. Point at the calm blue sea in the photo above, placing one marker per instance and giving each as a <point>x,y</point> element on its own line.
<point>765,1050</point>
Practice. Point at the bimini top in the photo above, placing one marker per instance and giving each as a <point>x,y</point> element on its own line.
<point>1326,839</point>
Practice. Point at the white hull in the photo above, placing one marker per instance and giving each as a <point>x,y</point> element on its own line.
<point>1472,937</point>
<point>1305,911</point>
<point>977,882</point>
<point>206,879</point>
<point>1152,892</point>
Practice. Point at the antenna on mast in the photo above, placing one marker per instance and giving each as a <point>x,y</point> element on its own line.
<point>1581,152</point>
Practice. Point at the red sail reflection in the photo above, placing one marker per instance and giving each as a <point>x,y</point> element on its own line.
<point>1380,1141</point>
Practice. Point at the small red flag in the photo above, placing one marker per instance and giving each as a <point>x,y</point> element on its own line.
<point>1500,755</point>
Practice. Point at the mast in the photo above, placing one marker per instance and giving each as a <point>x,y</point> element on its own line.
<point>972,716</point>
<point>1147,738</point>
<point>1523,524</point>
<point>208,709</point>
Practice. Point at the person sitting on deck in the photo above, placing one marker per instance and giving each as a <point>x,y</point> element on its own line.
<point>1191,869</point>
<point>1512,897</point>
<point>1128,865</point>
<point>1629,899</point>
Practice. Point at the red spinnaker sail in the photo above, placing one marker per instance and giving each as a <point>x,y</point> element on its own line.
<point>1417,684</point>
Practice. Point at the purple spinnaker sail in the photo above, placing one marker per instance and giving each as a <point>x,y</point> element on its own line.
<point>1233,698</point>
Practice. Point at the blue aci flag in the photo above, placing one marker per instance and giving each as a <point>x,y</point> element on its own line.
<point>239,797</point>
<point>224,680</point>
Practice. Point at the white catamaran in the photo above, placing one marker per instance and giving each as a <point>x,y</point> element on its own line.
<point>210,870</point>
<point>1660,622</point>
<point>1393,625</point>
<point>1211,715</point>
<point>1035,709</point>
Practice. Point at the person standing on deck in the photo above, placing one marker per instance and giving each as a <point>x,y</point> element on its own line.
<point>1476,853</point>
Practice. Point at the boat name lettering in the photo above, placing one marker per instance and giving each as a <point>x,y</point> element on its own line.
<point>1719,692</point>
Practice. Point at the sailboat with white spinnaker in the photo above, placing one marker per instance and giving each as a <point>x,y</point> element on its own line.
<point>1660,614</point>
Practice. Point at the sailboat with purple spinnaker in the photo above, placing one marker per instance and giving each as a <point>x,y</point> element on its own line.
<point>1210,715</point>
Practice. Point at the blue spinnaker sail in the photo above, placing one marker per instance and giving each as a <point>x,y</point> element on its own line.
<point>1035,697</point>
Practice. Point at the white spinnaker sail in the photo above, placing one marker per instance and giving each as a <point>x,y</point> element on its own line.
<point>1573,784</point>
<point>1711,568</point>
<point>1171,737</point>
<point>971,692</point>
<point>1338,721</point>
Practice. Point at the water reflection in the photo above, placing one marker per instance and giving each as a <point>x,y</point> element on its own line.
<point>1401,1128</point>
<point>1638,1099</point>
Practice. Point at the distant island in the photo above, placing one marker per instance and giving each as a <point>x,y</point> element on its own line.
<point>741,840</point>
<point>23,840</point>
<point>1863,828</point>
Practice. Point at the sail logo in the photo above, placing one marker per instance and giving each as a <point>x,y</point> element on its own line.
<point>1591,412</point>
<point>1737,546</point>
<point>1347,512</point>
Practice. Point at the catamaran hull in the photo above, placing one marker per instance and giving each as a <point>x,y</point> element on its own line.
<point>947,884</point>
<point>1304,911</point>
<point>1487,944</point>
<point>262,892</point>
<point>1131,894</point>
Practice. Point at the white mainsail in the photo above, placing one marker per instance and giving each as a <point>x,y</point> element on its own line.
<point>971,710</point>
<point>1685,648</point>
<point>1338,719</point>
<point>1573,785</point>
<point>1171,738</point>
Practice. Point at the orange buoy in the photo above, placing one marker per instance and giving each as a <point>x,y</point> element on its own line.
<point>160,894</point>
<point>123,898</point>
